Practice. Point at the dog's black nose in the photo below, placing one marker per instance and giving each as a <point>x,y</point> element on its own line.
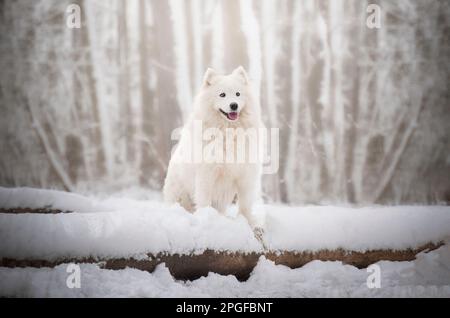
<point>234,106</point>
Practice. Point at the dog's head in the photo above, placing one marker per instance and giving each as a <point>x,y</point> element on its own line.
<point>227,94</point>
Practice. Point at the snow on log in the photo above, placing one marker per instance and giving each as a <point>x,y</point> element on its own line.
<point>122,232</point>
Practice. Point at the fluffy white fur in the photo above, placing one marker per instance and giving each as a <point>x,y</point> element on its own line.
<point>196,185</point>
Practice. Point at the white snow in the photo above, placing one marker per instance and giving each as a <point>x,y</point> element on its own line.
<point>121,227</point>
<point>39,198</point>
<point>427,276</point>
<point>356,229</point>
<point>123,233</point>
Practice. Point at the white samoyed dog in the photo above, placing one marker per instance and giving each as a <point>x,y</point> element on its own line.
<point>226,106</point>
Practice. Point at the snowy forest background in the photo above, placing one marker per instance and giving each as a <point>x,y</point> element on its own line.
<point>363,113</point>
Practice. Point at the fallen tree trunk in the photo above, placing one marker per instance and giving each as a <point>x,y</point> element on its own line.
<point>19,210</point>
<point>240,264</point>
<point>189,267</point>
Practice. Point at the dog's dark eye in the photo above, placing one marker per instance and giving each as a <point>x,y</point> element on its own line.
<point>238,94</point>
<point>222,95</point>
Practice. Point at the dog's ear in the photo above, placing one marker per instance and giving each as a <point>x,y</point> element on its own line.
<point>240,71</point>
<point>209,76</point>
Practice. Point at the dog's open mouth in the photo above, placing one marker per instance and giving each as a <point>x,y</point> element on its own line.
<point>231,115</point>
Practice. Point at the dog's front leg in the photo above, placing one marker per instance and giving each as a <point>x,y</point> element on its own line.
<point>202,192</point>
<point>246,196</point>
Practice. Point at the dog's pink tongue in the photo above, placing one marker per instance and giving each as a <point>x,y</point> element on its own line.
<point>233,115</point>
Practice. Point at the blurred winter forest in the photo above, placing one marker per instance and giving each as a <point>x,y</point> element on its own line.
<point>363,112</point>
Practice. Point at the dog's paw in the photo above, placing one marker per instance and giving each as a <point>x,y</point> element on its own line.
<point>258,232</point>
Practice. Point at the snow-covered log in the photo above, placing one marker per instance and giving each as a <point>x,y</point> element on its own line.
<point>119,232</point>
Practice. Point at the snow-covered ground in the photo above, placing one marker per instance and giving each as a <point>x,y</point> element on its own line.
<point>120,226</point>
<point>428,276</point>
